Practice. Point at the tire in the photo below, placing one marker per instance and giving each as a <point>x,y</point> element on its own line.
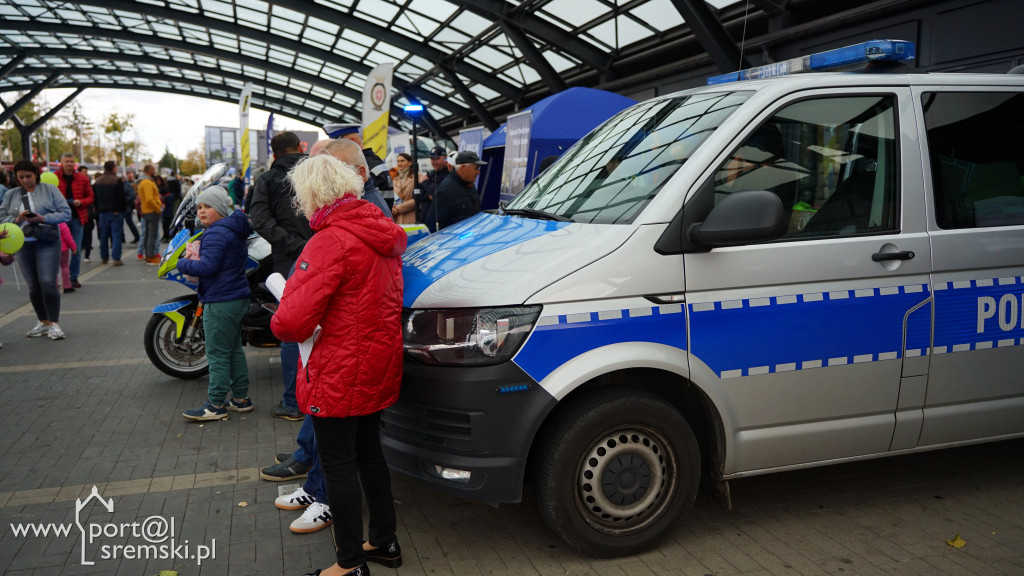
<point>616,472</point>
<point>184,358</point>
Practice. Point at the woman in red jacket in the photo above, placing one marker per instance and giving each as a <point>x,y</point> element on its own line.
<point>348,283</point>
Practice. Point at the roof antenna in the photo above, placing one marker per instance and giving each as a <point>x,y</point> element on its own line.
<point>743,40</point>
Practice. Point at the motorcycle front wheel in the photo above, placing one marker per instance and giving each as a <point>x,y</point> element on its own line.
<point>179,357</point>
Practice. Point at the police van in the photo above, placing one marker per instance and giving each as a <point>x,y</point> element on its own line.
<point>771,272</point>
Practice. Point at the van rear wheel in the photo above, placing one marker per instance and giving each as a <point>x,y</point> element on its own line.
<point>616,472</point>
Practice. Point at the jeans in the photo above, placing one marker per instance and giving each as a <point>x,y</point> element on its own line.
<point>76,232</point>
<point>151,232</point>
<point>142,236</point>
<point>130,221</point>
<point>40,265</point>
<point>289,371</point>
<point>350,452</point>
<point>307,454</point>
<point>112,232</point>
<point>222,322</point>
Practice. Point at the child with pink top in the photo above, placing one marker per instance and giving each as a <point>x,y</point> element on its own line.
<point>67,248</point>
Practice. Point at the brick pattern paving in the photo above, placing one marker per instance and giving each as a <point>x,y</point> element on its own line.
<point>91,410</point>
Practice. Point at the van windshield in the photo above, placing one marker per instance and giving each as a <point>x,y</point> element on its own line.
<point>610,175</point>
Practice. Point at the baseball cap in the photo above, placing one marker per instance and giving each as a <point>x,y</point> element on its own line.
<point>438,152</point>
<point>468,157</point>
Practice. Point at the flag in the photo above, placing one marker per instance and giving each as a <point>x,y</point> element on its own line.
<point>270,134</point>
<point>376,105</point>
<point>243,125</point>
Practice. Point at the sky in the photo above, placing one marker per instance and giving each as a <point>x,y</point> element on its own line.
<point>167,120</point>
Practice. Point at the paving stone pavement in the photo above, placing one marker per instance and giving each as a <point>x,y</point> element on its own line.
<point>92,411</point>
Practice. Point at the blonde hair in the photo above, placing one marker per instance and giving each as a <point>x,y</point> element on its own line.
<point>320,180</point>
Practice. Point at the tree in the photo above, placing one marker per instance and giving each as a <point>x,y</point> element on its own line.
<point>116,126</point>
<point>168,160</point>
<point>194,162</point>
<point>49,136</point>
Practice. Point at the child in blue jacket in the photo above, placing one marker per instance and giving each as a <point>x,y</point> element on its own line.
<point>224,292</point>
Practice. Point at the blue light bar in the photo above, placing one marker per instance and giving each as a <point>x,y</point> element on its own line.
<point>413,109</point>
<point>837,59</point>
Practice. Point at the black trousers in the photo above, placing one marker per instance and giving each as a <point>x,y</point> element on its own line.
<point>350,454</point>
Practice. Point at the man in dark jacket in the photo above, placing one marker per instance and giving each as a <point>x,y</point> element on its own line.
<point>432,179</point>
<point>274,218</point>
<point>456,198</point>
<point>111,205</point>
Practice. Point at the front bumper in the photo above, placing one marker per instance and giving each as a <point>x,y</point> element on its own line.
<point>481,420</point>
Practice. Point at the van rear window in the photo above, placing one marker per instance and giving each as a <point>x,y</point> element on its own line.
<point>615,171</point>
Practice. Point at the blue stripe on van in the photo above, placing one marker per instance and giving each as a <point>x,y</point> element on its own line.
<point>798,332</point>
<point>979,314</point>
<point>469,240</point>
<point>558,339</point>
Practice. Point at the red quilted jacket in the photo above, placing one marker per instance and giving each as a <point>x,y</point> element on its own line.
<point>81,190</point>
<point>348,280</point>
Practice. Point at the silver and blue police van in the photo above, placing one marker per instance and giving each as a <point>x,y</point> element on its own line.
<point>771,272</point>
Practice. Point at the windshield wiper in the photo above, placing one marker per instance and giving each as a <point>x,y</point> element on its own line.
<point>536,214</point>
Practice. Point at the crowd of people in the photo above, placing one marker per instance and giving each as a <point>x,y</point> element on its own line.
<point>64,212</point>
<point>332,218</point>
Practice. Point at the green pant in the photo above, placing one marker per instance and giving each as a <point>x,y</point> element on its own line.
<point>222,322</point>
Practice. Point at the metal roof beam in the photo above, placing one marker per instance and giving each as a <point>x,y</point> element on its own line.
<point>348,20</point>
<point>162,64</point>
<point>534,57</point>
<point>272,39</point>
<point>772,7</point>
<point>500,10</point>
<point>470,98</point>
<point>13,63</point>
<point>8,112</point>
<point>53,111</point>
<point>711,34</point>
<point>199,49</point>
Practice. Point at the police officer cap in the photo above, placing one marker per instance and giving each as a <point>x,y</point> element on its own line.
<point>438,152</point>
<point>339,130</point>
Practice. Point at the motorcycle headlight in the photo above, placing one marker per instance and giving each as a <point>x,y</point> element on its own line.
<point>476,336</point>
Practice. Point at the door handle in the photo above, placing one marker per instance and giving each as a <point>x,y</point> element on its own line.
<point>883,256</point>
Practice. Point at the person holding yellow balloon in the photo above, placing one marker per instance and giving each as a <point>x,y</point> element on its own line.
<point>37,208</point>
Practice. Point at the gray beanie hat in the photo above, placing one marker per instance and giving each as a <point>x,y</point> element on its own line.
<point>216,197</point>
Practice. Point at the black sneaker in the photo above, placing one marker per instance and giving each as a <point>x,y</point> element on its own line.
<point>389,554</point>
<point>280,411</point>
<point>290,469</point>
<point>282,456</point>
<point>75,284</point>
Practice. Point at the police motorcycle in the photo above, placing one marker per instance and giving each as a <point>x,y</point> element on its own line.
<point>175,340</point>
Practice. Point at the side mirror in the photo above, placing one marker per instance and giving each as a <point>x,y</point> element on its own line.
<point>742,218</point>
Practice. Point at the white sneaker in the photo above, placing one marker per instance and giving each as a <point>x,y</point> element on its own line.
<point>316,517</point>
<point>55,332</point>
<point>295,501</point>
<point>40,330</point>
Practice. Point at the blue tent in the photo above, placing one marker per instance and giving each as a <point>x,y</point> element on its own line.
<point>558,122</point>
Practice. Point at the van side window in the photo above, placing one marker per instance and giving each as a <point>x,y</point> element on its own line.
<point>977,157</point>
<point>832,161</point>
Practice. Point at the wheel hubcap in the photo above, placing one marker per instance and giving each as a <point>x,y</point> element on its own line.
<point>624,479</point>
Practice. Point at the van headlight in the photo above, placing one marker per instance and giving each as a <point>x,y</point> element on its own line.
<point>467,335</point>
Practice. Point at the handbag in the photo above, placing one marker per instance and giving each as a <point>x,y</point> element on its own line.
<point>41,232</point>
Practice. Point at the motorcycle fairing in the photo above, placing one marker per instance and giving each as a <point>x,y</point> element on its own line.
<point>170,309</point>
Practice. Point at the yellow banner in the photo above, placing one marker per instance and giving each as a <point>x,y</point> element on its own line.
<point>376,105</point>
<point>243,122</point>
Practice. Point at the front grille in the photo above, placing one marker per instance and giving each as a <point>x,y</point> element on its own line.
<point>422,425</point>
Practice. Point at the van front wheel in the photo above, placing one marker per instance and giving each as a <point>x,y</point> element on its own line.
<point>616,472</point>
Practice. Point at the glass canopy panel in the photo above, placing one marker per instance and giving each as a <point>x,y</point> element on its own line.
<point>376,11</point>
<point>660,14</point>
<point>575,12</point>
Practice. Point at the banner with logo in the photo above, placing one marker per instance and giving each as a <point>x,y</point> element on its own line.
<point>517,152</point>
<point>243,125</point>
<point>472,140</point>
<point>376,105</point>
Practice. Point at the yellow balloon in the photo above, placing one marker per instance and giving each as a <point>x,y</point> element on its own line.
<point>49,178</point>
<point>15,238</point>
